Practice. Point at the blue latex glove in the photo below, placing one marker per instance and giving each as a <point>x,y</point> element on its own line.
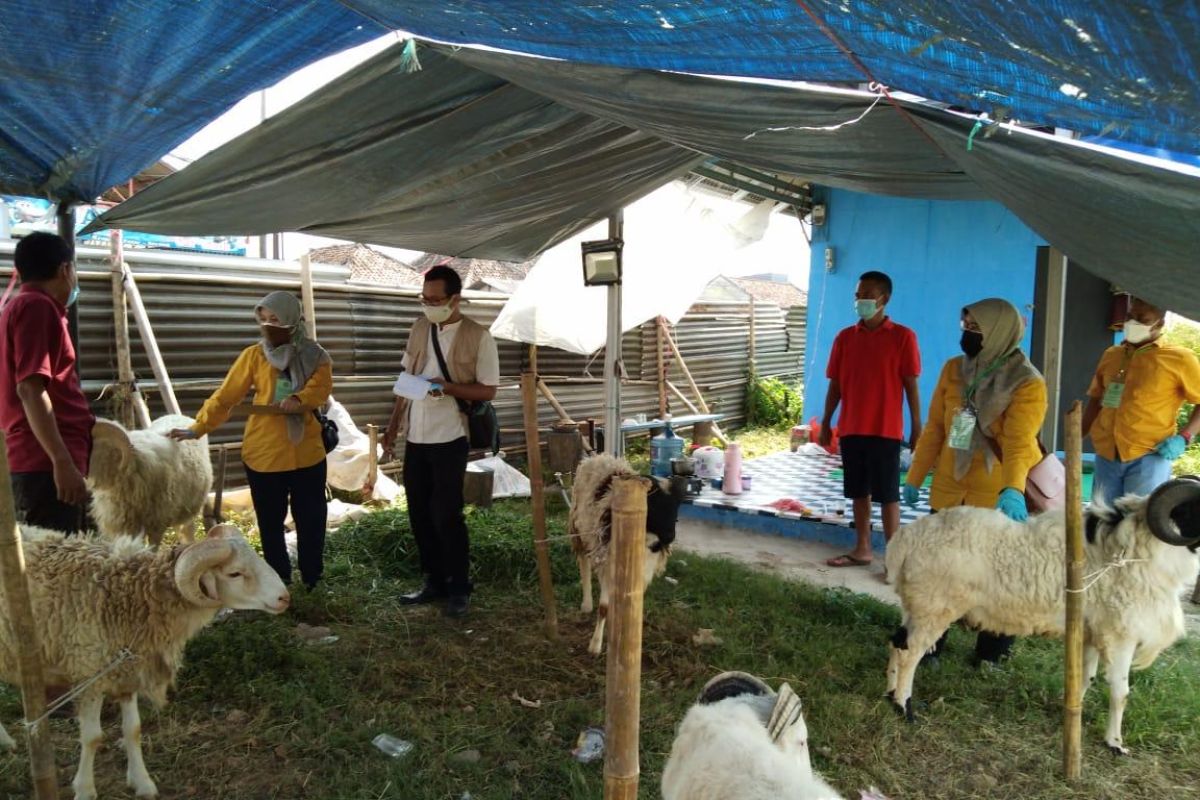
<point>1012,503</point>
<point>1171,447</point>
<point>912,496</point>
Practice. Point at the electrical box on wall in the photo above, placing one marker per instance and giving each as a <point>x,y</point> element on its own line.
<point>829,259</point>
<point>818,215</point>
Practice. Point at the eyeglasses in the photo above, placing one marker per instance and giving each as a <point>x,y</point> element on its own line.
<point>426,301</point>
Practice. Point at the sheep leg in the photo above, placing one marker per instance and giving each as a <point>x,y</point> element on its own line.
<point>920,639</point>
<point>6,741</point>
<point>90,738</point>
<point>1091,662</point>
<point>1117,663</point>
<point>136,775</point>
<point>597,644</point>
<point>585,581</point>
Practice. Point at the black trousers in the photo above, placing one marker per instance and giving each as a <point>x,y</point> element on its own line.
<point>36,502</point>
<point>305,490</point>
<point>433,484</point>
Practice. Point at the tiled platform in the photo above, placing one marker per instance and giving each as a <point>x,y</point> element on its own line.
<point>814,480</point>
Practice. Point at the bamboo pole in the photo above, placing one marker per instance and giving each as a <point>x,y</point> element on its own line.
<point>623,676</point>
<point>1073,690</point>
<point>691,407</point>
<point>132,410</point>
<point>307,298</point>
<point>662,367</point>
<point>752,332</point>
<point>19,610</point>
<point>372,460</point>
<point>553,401</point>
<point>687,373</point>
<point>538,499</point>
<point>165,389</point>
<point>219,489</point>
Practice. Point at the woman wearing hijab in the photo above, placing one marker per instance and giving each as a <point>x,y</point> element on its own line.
<point>981,435</point>
<point>283,453</point>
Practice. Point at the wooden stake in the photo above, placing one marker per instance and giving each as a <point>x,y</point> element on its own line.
<point>751,332</point>
<point>623,676</point>
<point>662,368</point>
<point>131,411</point>
<point>716,429</point>
<point>165,390</point>
<point>533,452</point>
<point>307,298</point>
<point>219,491</point>
<point>372,460</point>
<point>18,606</point>
<point>1073,700</point>
<point>687,373</point>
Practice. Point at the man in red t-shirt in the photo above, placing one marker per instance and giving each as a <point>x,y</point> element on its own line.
<point>872,364</point>
<point>43,411</point>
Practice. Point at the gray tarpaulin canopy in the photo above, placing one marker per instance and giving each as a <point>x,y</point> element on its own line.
<point>502,156</point>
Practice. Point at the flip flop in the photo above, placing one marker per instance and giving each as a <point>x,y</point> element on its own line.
<point>847,560</point>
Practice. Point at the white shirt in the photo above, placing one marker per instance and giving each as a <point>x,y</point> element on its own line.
<point>436,420</point>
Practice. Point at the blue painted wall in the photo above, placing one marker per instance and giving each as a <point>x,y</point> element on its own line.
<point>940,255</point>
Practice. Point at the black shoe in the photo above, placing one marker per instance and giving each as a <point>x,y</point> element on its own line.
<point>426,594</point>
<point>458,605</point>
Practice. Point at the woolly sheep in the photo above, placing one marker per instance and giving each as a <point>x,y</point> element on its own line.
<point>590,527</point>
<point>92,597</point>
<point>143,482</point>
<point>1008,577</point>
<point>727,747</point>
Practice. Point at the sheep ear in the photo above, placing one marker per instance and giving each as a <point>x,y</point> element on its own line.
<point>111,448</point>
<point>223,531</point>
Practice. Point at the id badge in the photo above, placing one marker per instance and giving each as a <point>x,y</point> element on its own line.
<point>1112,395</point>
<point>961,429</point>
<point>283,388</point>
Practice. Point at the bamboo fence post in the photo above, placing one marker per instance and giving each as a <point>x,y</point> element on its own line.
<point>662,368</point>
<point>716,429</point>
<point>132,409</point>
<point>165,390</point>
<point>219,491</point>
<point>372,459</point>
<point>687,373</point>
<point>553,401</point>
<point>533,452</point>
<point>623,675</point>
<point>1073,688</point>
<point>307,297</point>
<point>752,333</point>
<point>19,610</point>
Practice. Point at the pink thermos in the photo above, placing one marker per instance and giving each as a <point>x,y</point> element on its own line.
<point>732,482</point>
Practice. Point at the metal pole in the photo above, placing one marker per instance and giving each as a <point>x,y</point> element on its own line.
<point>307,296</point>
<point>614,441</point>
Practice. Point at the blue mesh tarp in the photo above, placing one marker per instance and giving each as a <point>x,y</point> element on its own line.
<point>1125,70</point>
<point>94,90</point>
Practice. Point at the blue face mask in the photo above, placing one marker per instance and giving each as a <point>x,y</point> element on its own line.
<point>73,296</point>
<point>865,308</point>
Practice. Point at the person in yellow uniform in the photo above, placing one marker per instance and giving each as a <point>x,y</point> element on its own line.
<point>980,437</point>
<point>283,454</point>
<point>1133,404</point>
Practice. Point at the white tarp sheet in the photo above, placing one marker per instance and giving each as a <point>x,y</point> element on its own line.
<point>676,242</point>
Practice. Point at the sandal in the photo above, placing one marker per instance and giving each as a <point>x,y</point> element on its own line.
<point>847,560</point>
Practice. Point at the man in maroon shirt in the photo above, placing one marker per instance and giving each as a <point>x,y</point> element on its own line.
<point>872,366</point>
<point>43,411</point>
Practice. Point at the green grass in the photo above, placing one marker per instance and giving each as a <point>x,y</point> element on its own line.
<point>259,715</point>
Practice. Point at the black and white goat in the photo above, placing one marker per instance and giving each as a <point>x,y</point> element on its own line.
<point>1008,577</point>
<point>590,528</point>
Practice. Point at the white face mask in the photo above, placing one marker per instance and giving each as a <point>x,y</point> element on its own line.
<point>1137,332</point>
<point>438,314</point>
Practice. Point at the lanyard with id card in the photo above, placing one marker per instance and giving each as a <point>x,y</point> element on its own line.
<point>961,429</point>
<point>283,388</point>
<point>1116,390</point>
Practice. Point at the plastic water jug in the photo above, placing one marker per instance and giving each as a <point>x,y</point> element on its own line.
<point>732,484</point>
<point>663,448</point>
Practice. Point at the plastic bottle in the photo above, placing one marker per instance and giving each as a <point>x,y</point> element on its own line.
<point>732,483</point>
<point>663,448</point>
<point>391,745</point>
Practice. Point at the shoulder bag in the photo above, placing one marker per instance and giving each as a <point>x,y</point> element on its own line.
<point>483,426</point>
<point>1046,483</point>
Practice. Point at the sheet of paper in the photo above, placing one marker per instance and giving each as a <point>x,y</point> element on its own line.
<point>410,386</point>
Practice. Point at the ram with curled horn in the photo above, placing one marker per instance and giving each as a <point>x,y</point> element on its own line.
<point>978,566</point>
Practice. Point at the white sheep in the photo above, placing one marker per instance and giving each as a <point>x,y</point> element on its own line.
<point>94,597</point>
<point>143,482</point>
<point>743,741</point>
<point>590,527</point>
<point>1007,577</point>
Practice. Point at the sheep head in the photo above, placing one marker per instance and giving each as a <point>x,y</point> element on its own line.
<point>1173,512</point>
<point>112,450</point>
<point>223,570</point>
<point>662,511</point>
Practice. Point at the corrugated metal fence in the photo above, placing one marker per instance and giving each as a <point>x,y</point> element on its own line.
<point>201,308</point>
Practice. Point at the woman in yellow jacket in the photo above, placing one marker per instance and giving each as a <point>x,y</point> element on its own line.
<point>981,433</point>
<point>283,453</point>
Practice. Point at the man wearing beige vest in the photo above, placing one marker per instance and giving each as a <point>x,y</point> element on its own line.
<point>435,431</point>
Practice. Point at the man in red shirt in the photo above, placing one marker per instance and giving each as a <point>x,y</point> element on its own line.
<point>871,365</point>
<point>43,411</point>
